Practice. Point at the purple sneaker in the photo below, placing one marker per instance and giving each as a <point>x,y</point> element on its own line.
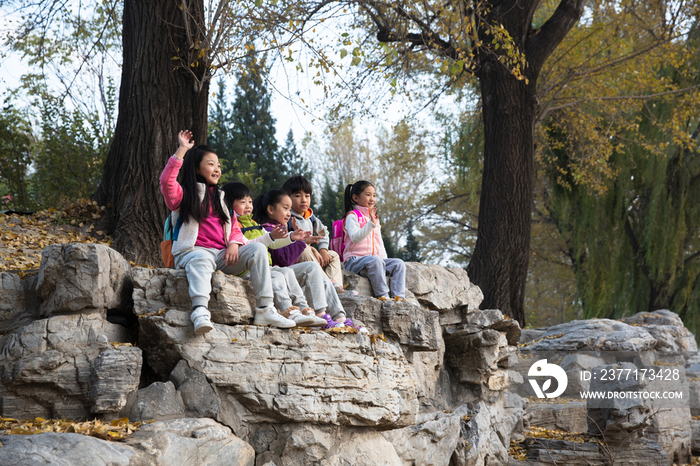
<point>359,328</point>
<point>331,323</point>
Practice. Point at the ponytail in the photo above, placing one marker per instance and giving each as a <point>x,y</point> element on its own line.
<point>262,201</point>
<point>353,190</point>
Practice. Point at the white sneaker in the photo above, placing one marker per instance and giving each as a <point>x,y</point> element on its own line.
<point>202,325</point>
<point>201,318</point>
<point>270,316</point>
<point>318,320</point>
<point>300,319</point>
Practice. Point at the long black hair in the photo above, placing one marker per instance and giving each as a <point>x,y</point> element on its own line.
<point>260,204</point>
<point>352,190</point>
<point>190,206</point>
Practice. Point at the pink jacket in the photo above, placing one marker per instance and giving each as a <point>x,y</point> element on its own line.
<point>172,192</point>
<point>362,237</point>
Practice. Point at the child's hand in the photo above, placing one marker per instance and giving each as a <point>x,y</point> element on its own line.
<point>185,139</point>
<point>313,239</point>
<point>325,257</point>
<point>300,235</point>
<point>231,254</point>
<point>373,215</point>
<point>294,224</point>
<point>280,231</point>
<point>317,255</point>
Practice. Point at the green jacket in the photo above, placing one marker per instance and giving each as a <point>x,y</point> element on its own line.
<point>251,229</point>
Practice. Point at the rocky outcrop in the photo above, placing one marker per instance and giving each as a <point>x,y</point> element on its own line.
<point>299,396</point>
<point>66,366</point>
<point>263,375</point>
<point>181,441</point>
<point>644,354</point>
<point>79,277</point>
<point>160,289</point>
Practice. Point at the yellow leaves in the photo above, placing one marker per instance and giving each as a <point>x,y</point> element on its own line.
<point>115,430</point>
<point>117,344</point>
<point>24,237</point>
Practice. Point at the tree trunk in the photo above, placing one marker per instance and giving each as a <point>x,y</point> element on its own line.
<point>500,260</point>
<point>155,102</point>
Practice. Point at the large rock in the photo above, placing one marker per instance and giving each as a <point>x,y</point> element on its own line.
<point>476,357</point>
<point>272,375</point>
<point>306,444</point>
<point>77,277</point>
<point>170,443</point>
<point>65,366</point>
<point>412,326</point>
<point>448,291</point>
<point>12,302</point>
<point>593,335</point>
<point>633,452</point>
<point>190,442</point>
<point>667,329</point>
<point>159,401</point>
<point>157,289</point>
<point>567,416</point>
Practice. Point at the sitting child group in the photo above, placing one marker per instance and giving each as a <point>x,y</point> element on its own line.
<point>268,241</point>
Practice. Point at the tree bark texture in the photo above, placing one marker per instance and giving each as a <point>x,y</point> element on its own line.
<point>155,102</point>
<point>500,260</point>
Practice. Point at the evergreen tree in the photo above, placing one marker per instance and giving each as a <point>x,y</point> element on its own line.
<point>411,252</point>
<point>254,127</point>
<point>330,206</point>
<point>291,161</point>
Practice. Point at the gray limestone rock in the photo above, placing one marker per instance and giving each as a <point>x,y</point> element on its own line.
<point>365,309</point>
<point>442,289</point>
<point>594,335</point>
<point>12,302</point>
<point>306,444</point>
<point>159,401</point>
<point>197,394</point>
<point>156,289</point>
<point>474,356</point>
<point>636,452</point>
<point>189,442</point>
<point>412,326</point>
<point>78,276</point>
<point>52,449</point>
<point>668,330</point>
<point>567,416</point>
<point>65,366</point>
<point>169,443</point>
<point>272,375</point>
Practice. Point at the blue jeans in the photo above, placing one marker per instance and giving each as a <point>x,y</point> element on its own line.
<point>377,269</point>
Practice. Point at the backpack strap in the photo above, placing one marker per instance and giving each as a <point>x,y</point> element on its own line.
<point>176,230</point>
<point>254,227</point>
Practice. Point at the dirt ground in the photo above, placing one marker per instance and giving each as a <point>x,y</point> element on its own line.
<point>24,237</point>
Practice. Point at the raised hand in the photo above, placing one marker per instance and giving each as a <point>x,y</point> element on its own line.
<point>186,143</point>
<point>185,139</point>
<point>313,239</point>
<point>280,231</point>
<point>373,215</point>
<point>294,224</point>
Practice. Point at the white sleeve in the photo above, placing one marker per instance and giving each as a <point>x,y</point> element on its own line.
<point>357,234</point>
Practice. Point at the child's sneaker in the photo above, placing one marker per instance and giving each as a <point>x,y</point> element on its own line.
<point>201,318</point>
<point>330,323</point>
<point>359,328</point>
<point>318,321</point>
<point>399,298</point>
<point>270,316</point>
<point>383,298</point>
<point>293,313</point>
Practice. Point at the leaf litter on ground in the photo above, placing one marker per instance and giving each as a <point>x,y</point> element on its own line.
<point>118,429</point>
<point>24,237</point>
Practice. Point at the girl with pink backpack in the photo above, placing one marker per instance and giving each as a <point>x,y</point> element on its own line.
<point>363,247</point>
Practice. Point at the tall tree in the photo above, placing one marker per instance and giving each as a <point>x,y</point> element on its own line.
<point>254,127</point>
<point>291,161</point>
<point>15,158</point>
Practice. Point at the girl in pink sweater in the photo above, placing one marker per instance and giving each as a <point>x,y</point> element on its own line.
<point>364,248</point>
<point>205,240</point>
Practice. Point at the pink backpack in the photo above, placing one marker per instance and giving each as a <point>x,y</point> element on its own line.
<point>338,240</point>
